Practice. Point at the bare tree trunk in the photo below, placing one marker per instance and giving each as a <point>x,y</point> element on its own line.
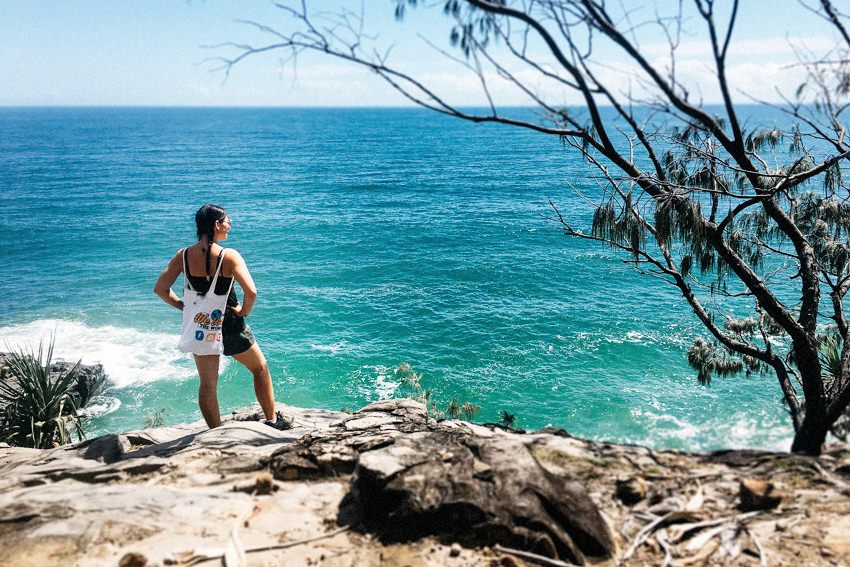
<point>811,434</point>
<point>810,438</point>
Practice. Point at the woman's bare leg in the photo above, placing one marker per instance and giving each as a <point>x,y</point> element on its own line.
<point>253,360</point>
<point>208,390</point>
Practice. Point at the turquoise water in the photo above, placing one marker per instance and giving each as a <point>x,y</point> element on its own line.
<point>376,237</point>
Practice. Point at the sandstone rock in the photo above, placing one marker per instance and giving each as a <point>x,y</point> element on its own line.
<point>482,470</point>
<point>156,436</point>
<point>369,421</point>
<point>367,443</point>
<point>406,491</point>
<point>757,494</point>
<point>293,466</point>
<point>336,462</point>
<point>631,490</point>
<point>133,559</point>
<point>411,410</point>
<point>445,481</point>
<point>263,485</point>
<point>89,383</point>
<point>107,448</point>
<point>842,464</point>
<point>837,538</point>
<point>112,471</point>
<point>383,464</point>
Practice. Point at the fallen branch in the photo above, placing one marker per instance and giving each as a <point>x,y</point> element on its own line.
<point>678,532</point>
<point>648,530</point>
<point>683,475</point>
<point>828,477</point>
<point>234,554</point>
<point>757,543</point>
<point>533,557</point>
<point>702,557</point>
<point>299,542</point>
<point>698,541</point>
<point>679,516</point>
<point>188,558</point>
<point>661,538</point>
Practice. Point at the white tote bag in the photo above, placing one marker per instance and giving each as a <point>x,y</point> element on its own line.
<point>203,315</point>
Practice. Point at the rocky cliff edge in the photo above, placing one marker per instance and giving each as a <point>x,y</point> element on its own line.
<point>389,486</point>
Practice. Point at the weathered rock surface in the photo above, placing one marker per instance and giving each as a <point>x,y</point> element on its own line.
<point>413,477</point>
<point>448,493</point>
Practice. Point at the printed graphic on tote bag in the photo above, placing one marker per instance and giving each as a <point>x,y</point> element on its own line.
<point>211,325</point>
<point>209,321</point>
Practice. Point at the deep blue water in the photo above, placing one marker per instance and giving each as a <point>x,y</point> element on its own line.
<point>376,237</point>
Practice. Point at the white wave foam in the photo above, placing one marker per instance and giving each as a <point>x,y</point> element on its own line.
<point>668,425</point>
<point>772,436</point>
<point>100,406</point>
<point>592,256</point>
<point>738,431</point>
<point>128,356</point>
<point>384,385</point>
<point>635,337</point>
<point>333,348</point>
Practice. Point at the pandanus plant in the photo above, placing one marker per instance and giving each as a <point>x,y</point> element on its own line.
<point>37,408</point>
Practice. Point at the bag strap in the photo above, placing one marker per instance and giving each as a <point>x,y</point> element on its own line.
<point>186,270</point>
<point>218,271</point>
<point>232,279</point>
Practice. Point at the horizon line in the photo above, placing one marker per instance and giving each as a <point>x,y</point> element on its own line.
<point>308,107</point>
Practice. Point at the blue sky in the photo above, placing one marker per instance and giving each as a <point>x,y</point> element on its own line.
<point>152,53</point>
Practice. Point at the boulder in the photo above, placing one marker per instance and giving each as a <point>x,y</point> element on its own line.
<point>106,448</point>
<point>133,559</point>
<point>409,490</point>
<point>758,494</point>
<point>414,478</point>
<point>631,490</point>
<point>89,382</point>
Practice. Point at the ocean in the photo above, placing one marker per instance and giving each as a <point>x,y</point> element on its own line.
<point>376,237</point>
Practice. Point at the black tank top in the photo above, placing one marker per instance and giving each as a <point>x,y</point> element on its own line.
<point>202,285</point>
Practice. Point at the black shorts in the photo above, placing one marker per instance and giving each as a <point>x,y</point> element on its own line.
<point>235,334</point>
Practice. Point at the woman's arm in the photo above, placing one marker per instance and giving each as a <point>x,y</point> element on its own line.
<point>167,279</point>
<point>246,282</point>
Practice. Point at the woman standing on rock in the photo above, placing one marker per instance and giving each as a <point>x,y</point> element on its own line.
<point>214,321</point>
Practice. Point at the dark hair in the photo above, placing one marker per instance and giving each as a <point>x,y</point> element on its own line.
<point>205,220</point>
